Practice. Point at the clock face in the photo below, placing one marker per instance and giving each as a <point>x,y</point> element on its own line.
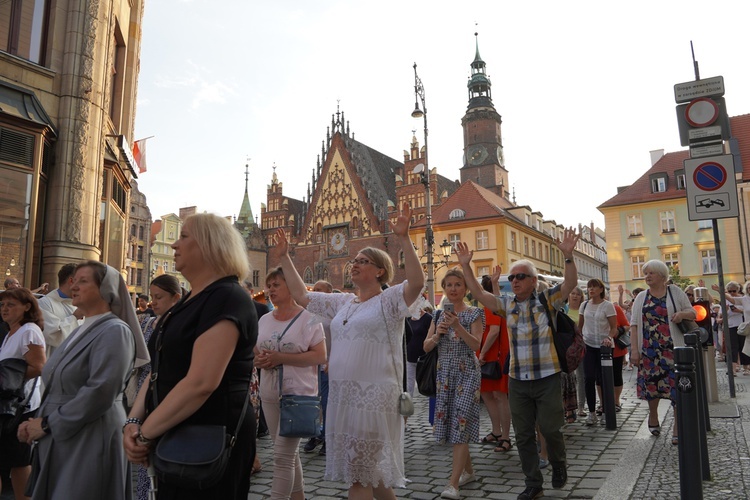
<point>500,156</point>
<point>476,154</point>
<point>338,240</point>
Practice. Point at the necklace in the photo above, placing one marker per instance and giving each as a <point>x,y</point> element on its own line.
<point>349,312</point>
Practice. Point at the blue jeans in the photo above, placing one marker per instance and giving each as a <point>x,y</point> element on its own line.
<point>323,393</point>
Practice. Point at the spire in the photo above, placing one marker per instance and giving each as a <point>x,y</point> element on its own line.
<point>246,213</point>
<point>480,94</point>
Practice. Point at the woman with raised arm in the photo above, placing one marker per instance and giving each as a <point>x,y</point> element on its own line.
<point>363,427</point>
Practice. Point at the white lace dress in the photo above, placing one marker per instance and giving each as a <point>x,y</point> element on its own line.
<point>364,431</point>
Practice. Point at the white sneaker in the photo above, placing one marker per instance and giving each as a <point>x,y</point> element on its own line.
<point>592,419</point>
<point>450,492</point>
<point>466,478</point>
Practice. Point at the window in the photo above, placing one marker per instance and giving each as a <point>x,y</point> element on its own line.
<point>528,220</point>
<point>636,265</point>
<point>165,266</point>
<point>533,248</point>
<point>482,270</point>
<point>680,179</point>
<point>513,241</point>
<point>546,253</point>
<point>22,27</point>
<point>140,232</point>
<point>672,259</point>
<point>483,240</point>
<point>174,269</point>
<point>139,258</point>
<point>635,225</point>
<point>256,278</point>
<point>658,184</point>
<point>705,224</point>
<point>457,214</point>
<point>308,275</point>
<point>453,239</point>
<point>139,277</point>
<point>132,230</point>
<point>156,264</point>
<point>525,245</point>
<point>666,219</point>
<point>709,261</point>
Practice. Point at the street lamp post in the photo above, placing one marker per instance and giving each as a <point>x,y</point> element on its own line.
<point>425,174</point>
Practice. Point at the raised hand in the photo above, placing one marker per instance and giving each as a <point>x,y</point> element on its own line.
<point>401,228</point>
<point>463,253</point>
<point>497,271</point>
<point>568,243</point>
<point>281,247</point>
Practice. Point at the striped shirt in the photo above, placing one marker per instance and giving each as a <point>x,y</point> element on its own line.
<point>532,350</point>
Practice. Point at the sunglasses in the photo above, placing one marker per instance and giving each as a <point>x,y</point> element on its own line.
<point>689,294</point>
<point>519,276</point>
<point>361,262</point>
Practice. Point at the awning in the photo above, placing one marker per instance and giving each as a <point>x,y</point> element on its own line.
<point>23,104</point>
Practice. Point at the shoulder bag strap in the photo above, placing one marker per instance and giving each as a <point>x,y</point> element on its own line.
<point>543,300</point>
<point>393,351</point>
<point>278,347</point>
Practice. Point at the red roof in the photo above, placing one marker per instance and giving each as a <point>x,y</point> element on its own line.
<point>640,190</point>
<point>476,201</point>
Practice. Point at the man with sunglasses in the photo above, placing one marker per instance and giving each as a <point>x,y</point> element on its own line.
<point>534,388</point>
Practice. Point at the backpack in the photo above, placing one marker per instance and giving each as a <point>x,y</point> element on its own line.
<point>567,338</point>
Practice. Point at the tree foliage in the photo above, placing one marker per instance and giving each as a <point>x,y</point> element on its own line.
<point>674,275</point>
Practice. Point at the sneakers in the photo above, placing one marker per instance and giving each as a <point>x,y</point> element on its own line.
<point>531,492</point>
<point>592,419</point>
<point>322,451</point>
<point>559,475</point>
<point>312,444</point>
<point>451,492</point>
<point>466,478</point>
<point>543,463</point>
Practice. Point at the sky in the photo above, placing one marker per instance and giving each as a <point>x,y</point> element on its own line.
<point>585,90</point>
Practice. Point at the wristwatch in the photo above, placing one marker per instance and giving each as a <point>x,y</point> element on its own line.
<point>568,261</point>
<point>45,426</point>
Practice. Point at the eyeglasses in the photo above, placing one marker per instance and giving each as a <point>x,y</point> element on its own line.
<point>361,262</point>
<point>689,294</point>
<point>519,276</point>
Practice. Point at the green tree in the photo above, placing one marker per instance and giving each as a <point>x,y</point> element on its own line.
<point>674,275</point>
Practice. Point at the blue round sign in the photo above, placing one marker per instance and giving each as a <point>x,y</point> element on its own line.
<point>709,176</point>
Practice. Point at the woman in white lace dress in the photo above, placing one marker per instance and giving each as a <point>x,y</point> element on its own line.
<point>364,442</point>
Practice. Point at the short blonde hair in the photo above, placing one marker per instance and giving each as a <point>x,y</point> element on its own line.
<point>220,243</point>
<point>381,260</point>
<point>455,272</point>
<point>658,267</point>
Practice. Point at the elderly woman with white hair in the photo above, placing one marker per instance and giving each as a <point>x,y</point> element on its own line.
<point>656,314</point>
<point>78,424</point>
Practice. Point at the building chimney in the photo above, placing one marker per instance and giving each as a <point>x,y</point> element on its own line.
<point>656,155</point>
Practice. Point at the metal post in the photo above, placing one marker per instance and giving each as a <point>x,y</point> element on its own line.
<point>691,340</point>
<point>689,453</point>
<point>420,94</point>
<point>724,313</point>
<point>608,387</point>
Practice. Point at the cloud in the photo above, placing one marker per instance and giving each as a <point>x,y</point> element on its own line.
<point>204,90</point>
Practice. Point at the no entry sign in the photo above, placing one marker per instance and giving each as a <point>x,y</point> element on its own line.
<point>711,188</point>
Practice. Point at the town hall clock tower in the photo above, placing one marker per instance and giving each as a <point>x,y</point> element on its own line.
<point>483,161</point>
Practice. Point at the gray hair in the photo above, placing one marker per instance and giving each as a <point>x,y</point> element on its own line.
<point>658,267</point>
<point>528,264</point>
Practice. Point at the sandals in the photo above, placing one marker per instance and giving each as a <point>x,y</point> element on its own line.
<point>618,408</point>
<point>504,445</point>
<point>495,439</point>
<point>570,417</point>
<point>654,429</point>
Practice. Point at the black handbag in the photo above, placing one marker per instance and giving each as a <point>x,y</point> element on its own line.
<point>299,416</point>
<point>623,337</point>
<point>427,373</point>
<point>192,456</point>
<point>491,370</point>
<point>12,379</point>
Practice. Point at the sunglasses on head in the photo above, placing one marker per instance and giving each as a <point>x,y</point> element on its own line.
<point>518,276</point>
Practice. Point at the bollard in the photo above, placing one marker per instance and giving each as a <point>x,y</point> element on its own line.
<point>689,453</point>
<point>691,340</point>
<point>608,388</point>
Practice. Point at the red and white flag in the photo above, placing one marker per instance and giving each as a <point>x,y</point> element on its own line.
<point>139,153</point>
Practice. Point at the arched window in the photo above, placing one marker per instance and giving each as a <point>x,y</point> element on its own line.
<point>308,275</point>
<point>457,213</point>
<point>348,276</point>
<point>132,230</point>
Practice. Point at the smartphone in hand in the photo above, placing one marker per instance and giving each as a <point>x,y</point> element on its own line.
<point>448,307</point>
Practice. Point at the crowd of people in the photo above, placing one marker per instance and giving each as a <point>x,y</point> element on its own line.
<point>105,378</point>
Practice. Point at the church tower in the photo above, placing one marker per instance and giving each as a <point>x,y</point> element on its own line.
<point>483,144</point>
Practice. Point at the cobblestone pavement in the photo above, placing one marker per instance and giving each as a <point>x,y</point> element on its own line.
<point>627,463</point>
<point>593,453</point>
<point>729,454</point>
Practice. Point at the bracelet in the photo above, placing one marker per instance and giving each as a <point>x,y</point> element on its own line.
<point>132,420</point>
<point>141,438</point>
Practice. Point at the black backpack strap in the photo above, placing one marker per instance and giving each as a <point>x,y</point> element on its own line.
<point>543,300</point>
